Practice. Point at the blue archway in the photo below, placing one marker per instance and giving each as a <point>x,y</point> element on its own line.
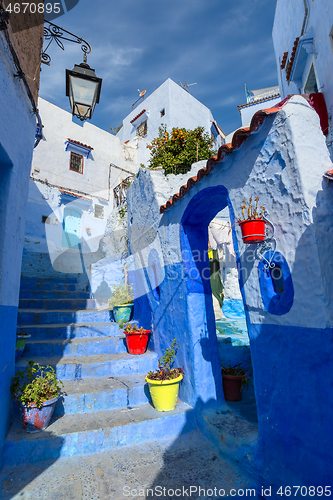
<point>206,379</point>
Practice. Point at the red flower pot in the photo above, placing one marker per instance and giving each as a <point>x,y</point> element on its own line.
<point>232,387</point>
<point>137,341</point>
<point>253,231</point>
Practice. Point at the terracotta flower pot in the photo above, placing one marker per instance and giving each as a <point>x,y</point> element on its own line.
<point>232,386</point>
<point>137,341</point>
<point>253,230</point>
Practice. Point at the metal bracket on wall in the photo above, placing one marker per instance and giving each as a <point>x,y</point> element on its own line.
<point>269,244</point>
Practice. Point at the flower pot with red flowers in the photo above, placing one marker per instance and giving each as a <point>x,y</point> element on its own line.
<point>234,380</point>
<point>136,338</point>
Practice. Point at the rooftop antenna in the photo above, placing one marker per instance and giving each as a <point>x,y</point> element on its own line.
<point>141,96</point>
<point>186,85</point>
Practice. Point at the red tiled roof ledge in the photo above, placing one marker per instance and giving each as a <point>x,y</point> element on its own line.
<point>138,116</point>
<point>80,144</point>
<point>239,137</point>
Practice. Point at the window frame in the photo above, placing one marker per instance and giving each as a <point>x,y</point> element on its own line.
<point>70,162</point>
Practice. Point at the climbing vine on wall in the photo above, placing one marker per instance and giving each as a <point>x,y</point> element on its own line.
<point>175,151</point>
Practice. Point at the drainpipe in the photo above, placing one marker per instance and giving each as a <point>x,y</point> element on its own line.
<point>305,16</point>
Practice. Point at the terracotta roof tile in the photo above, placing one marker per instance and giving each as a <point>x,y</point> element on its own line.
<point>317,101</point>
<point>137,116</point>
<point>80,144</point>
<point>253,103</point>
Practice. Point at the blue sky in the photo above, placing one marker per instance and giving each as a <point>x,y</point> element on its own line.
<point>218,44</point>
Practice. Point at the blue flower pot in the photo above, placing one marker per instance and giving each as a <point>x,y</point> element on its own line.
<point>122,314</point>
<point>37,419</point>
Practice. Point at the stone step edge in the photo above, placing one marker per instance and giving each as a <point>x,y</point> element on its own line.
<point>66,311</point>
<point>87,385</point>
<point>81,360</point>
<point>75,340</point>
<point>101,420</point>
<point>65,325</point>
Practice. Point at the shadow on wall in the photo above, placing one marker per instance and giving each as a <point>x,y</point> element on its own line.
<point>293,375</point>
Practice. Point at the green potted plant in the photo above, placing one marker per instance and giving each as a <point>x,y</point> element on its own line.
<point>136,338</point>
<point>164,382</point>
<point>234,379</point>
<point>36,390</point>
<point>121,302</point>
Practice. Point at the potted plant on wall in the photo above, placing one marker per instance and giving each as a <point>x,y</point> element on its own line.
<point>21,339</point>
<point>234,379</point>
<point>252,224</point>
<point>36,390</point>
<point>121,302</point>
<point>136,338</point>
<point>164,382</point>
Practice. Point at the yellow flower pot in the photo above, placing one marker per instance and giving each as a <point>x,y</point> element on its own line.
<point>164,393</point>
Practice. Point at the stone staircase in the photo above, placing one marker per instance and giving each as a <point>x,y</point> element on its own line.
<point>105,403</point>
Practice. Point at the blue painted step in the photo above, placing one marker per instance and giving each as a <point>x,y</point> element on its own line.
<point>71,330</point>
<point>77,367</point>
<point>75,347</point>
<point>53,294</point>
<point>58,304</point>
<point>40,316</point>
<point>102,393</point>
<point>96,432</point>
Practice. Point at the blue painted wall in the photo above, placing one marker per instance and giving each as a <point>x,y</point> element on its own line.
<point>17,134</point>
<point>291,347</point>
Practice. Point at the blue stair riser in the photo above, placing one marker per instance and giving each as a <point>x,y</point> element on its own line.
<point>49,304</point>
<point>98,440</point>
<point>101,400</point>
<point>134,365</point>
<point>71,331</point>
<point>104,346</point>
<point>53,294</point>
<point>47,285</point>
<point>52,317</point>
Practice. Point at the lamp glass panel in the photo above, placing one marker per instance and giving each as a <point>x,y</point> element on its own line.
<point>83,90</point>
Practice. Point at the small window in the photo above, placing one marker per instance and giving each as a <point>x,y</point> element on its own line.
<point>76,163</point>
<point>311,85</point>
<point>162,112</point>
<point>141,130</point>
<point>45,219</point>
<point>99,212</point>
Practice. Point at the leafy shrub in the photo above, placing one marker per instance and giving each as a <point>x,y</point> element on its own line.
<point>120,295</point>
<point>176,151</point>
<point>164,371</point>
<point>35,384</point>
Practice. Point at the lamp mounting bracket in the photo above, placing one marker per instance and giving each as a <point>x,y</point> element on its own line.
<point>52,33</point>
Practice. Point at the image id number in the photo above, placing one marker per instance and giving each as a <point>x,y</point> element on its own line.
<point>311,491</point>
<point>33,8</point>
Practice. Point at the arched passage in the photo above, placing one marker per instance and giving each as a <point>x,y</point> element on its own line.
<point>206,377</point>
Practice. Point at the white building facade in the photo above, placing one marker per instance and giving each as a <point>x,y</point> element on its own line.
<point>303,44</point>
<point>171,105</point>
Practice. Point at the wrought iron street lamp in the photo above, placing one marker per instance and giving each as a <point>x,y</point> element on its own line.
<point>83,87</point>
